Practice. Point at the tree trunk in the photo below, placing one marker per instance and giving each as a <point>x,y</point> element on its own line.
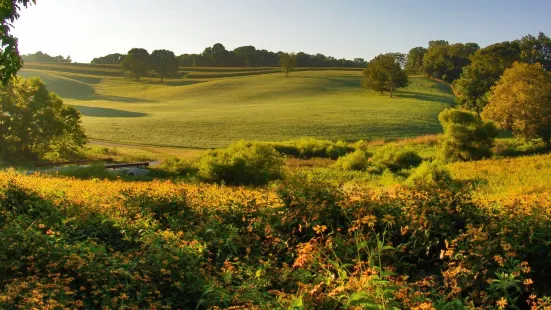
<point>161,78</point>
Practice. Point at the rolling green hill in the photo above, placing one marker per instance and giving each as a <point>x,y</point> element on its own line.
<point>211,107</point>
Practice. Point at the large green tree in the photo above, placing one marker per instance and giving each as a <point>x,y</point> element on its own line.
<point>414,64</point>
<point>137,63</point>
<point>164,63</point>
<point>10,61</point>
<point>536,50</point>
<point>486,67</point>
<point>384,73</point>
<point>521,101</point>
<point>35,122</point>
<point>288,62</point>
<point>445,61</point>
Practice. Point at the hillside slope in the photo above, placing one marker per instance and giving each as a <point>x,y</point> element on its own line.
<point>212,112</point>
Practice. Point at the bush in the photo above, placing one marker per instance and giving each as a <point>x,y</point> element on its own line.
<point>307,148</point>
<point>396,158</point>
<point>358,161</point>
<point>429,174</point>
<point>466,137</point>
<point>175,166</point>
<point>243,163</point>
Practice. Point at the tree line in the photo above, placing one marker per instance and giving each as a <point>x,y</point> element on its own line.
<point>43,57</point>
<point>245,56</point>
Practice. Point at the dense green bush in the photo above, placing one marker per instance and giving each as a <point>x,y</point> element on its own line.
<point>430,174</point>
<point>358,161</point>
<point>307,148</point>
<point>243,163</point>
<point>396,157</point>
<point>466,137</point>
<point>174,166</point>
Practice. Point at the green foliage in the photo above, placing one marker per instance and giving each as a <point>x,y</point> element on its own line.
<point>174,166</point>
<point>137,63</point>
<point>536,50</point>
<point>487,66</point>
<point>287,62</point>
<point>356,161</point>
<point>396,157</point>
<point>43,57</point>
<point>10,61</point>
<point>242,163</point>
<point>466,137</point>
<point>414,64</point>
<point>306,148</point>
<point>430,174</point>
<point>521,101</point>
<point>445,61</point>
<point>111,59</point>
<point>34,122</point>
<point>384,73</point>
<point>164,63</point>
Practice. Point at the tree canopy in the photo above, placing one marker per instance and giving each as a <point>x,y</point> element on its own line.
<point>34,122</point>
<point>384,73</point>
<point>521,101</point>
<point>111,59</point>
<point>487,66</point>
<point>43,57</point>
<point>137,63</point>
<point>414,64</point>
<point>445,61</point>
<point>10,61</point>
<point>164,63</point>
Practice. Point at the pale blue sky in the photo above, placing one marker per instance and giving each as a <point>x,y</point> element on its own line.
<point>86,29</point>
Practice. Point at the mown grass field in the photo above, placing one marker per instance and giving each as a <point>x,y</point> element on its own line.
<point>211,107</point>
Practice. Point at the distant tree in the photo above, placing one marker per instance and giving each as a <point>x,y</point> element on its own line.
<point>414,64</point>
<point>486,67</point>
<point>359,62</point>
<point>164,63</point>
<point>43,57</point>
<point>445,61</point>
<point>536,50</point>
<point>10,61</point>
<point>111,59</point>
<point>137,63</point>
<point>246,55</point>
<point>220,54</point>
<point>288,62</point>
<point>34,122</point>
<point>466,137</point>
<point>384,73</point>
<point>521,101</point>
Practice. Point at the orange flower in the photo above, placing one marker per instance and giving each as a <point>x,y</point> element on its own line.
<point>370,220</point>
<point>388,220</point>
<point>320,229</point>
<point>502,303</point>
<point>528,282</point>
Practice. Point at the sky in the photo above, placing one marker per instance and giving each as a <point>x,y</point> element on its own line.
<point>85,29</point>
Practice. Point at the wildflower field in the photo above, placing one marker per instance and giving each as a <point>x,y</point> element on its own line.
<point>295,244</point>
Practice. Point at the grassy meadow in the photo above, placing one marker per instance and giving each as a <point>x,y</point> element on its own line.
<point>212,107</point>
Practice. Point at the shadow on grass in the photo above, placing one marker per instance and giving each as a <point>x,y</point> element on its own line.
<point>107,112</point>
<point>424,97</point>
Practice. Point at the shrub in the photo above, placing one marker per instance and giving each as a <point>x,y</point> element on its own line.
<point>466,137</point>
<point>396,158</point>
<point>358,160</point>
<point>429,174</point>
<point>175,166</point>
<point>243,163</point>
<point>307,148</point>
